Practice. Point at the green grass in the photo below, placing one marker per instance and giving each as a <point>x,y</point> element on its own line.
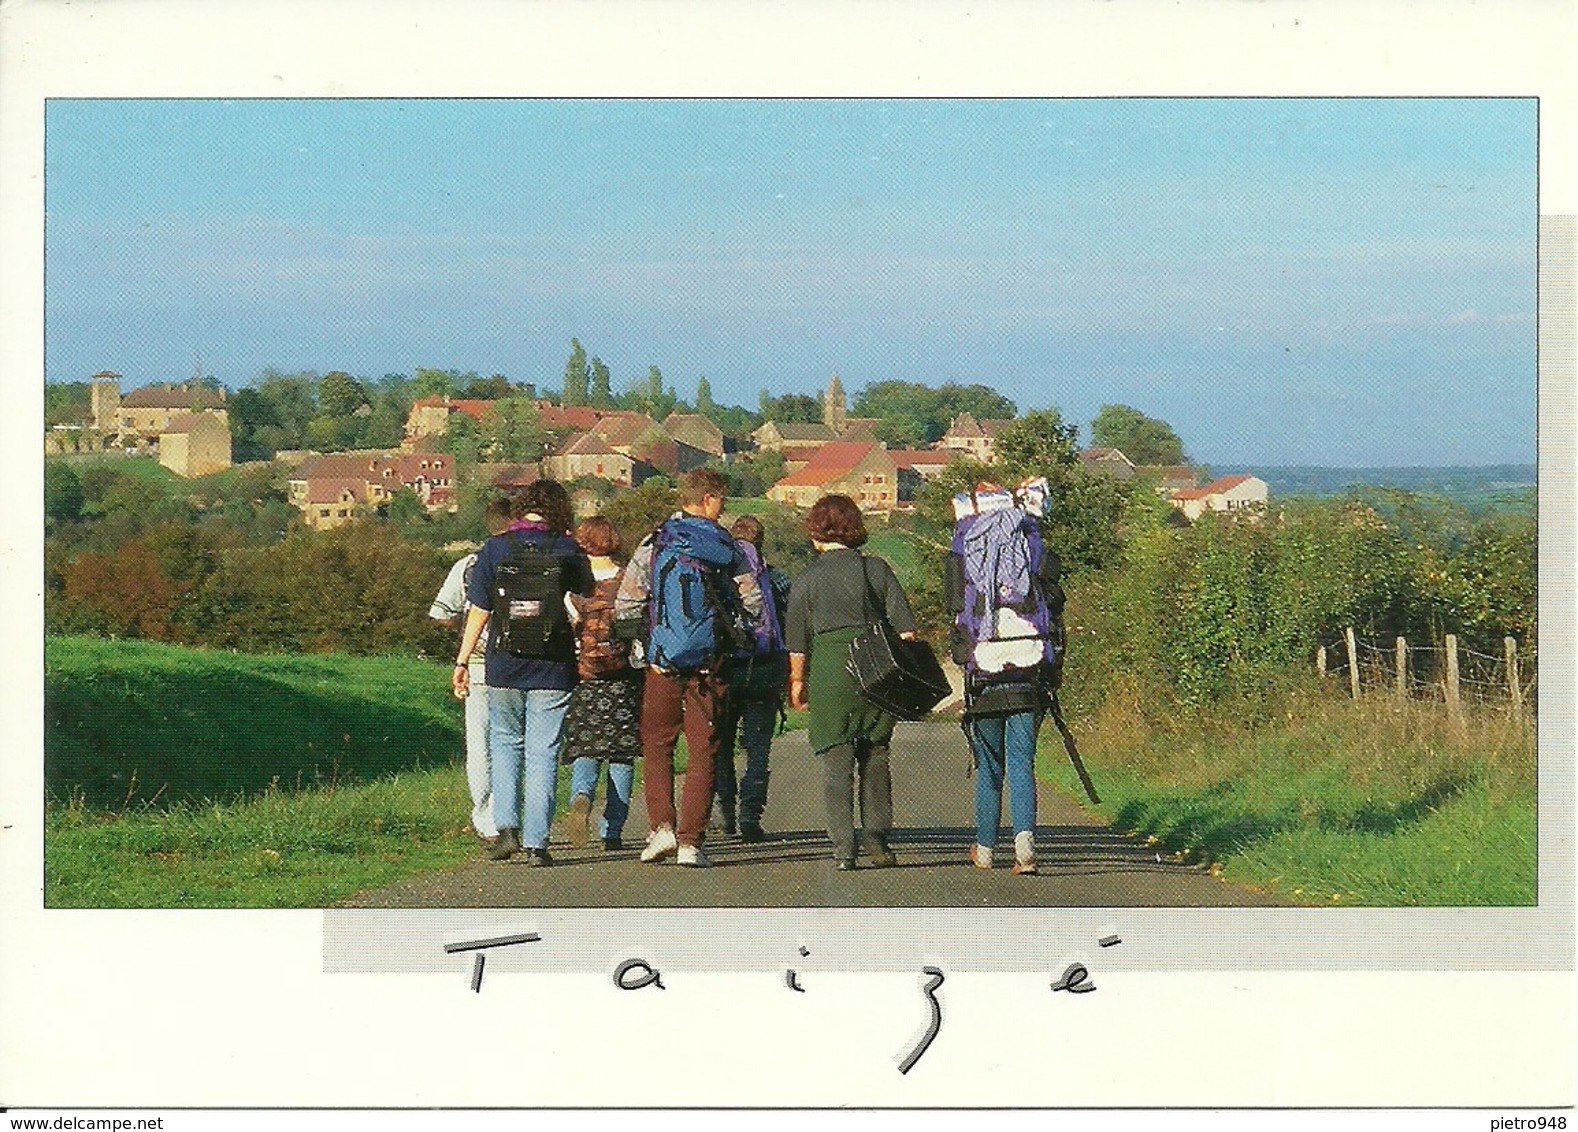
<point>280,849</point>
<point>900,549</point>
<point>126,720</point>
<point>144,467</point>
<point>1334,803</point>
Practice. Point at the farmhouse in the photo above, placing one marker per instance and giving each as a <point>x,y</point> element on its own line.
<point>590,455</point>
<point>348,480</point>
<point>1233,495</point>
<point>864,472</point>
<point>972,437</point>
<point>195,444</point>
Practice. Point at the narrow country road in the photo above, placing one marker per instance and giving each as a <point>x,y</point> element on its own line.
<point>1082,862</point>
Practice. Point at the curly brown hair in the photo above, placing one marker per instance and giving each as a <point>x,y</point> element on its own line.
<point>598,535</point>
<point>549,499</point>
<point>749,528</point>
<point>835,518</point>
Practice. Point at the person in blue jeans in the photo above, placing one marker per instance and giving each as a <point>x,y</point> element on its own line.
<point>528,690</point>
<point>604,721</point>
<point>1010,654</point>
<point>758,683</point>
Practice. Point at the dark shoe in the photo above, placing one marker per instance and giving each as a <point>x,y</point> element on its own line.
<point>612,844</point>
<point>505,845</point>
<point>880,856</point>
<point>538,858</point>
<point>844,864</point>
<point>580,816</point>
<point>751,833</point>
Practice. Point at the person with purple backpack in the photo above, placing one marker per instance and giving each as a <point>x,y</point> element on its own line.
<point>1001,586</point>
<point>756,693</point>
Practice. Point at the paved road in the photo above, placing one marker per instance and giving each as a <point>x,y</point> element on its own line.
<point>1083,863</point>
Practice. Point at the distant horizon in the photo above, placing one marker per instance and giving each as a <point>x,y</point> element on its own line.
<point>1298,279</point>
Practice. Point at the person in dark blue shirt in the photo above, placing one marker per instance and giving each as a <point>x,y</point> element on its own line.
<point>527,696</point>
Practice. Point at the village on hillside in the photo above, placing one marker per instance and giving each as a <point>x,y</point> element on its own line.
<point>186,428</point>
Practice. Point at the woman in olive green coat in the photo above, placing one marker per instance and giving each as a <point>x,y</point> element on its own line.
<point>829,606</point>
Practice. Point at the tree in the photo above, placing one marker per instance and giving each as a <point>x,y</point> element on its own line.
<point>704,404</point>
<point>340,394</point>
<point>602,396</point>
<point>1143,439</point>
<point>914,415</point>
<point>576,377</point>
<point>432,383</point>
<point>637,513</point>
<point>513,431</point>
<point>791,408</point>
<point>463,438</point>
<point>69,402</point>
<point>494,388</point>
<point>63,496</point>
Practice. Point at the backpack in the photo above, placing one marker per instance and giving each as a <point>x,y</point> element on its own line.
<point>767,634</point>
<point>529,616</point>
<point>696,614</point>
<point>1010,624</point>
<point>600,653</point>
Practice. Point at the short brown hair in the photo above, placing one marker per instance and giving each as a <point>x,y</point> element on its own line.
<point>548,499</point>
<point>749,528</point>
<point>598,535</point>
<point>835,518</point>
<point>697,485</point>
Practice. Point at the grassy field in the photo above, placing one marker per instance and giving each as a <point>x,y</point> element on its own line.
<point>1335,803</point>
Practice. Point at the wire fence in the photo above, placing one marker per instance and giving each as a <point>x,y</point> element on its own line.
<point>1444,672</point>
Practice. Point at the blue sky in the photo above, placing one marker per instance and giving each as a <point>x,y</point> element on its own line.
<point>1284,280</point>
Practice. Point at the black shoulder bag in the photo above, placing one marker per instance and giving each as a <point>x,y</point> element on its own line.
<point>901,677</point>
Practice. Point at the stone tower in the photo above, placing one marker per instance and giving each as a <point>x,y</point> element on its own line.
<point>835,410</point>
<point>104,390</point>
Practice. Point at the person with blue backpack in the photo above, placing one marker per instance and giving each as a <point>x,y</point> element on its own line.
<point>517,592</point>
<point>689,592</point>
<point>757,686</point>
<point>1001,585</point>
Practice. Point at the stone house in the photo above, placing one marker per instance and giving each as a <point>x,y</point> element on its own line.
<point>864,472</point>
<point>917,466</point>
<point>697,431</point>
<point>972,437</point>
<point>1107,462</point>
<point>590,455</point>
<point>195,444</point>
<point>322,480</point>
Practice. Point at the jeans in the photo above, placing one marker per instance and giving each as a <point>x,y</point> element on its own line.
<point>754,719</point>
<point>840,765</point>
<point>621,777</point>
<point>524,731</point>
<point>1005,748</point>
<point>479,773</point>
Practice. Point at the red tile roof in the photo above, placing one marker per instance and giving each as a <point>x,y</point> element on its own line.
<point>828,463</point>
<point>474,409</point>
<point>1228,483</point>
<point>331,489</point>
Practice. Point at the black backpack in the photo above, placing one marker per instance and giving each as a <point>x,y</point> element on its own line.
<point>529,618</point>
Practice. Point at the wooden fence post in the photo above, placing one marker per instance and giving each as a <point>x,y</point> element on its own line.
<point>1454,704</point>
<point>1320,662</point>
<point>1402,668</point>
<point>1353,662</point>
<point>1514,685</point>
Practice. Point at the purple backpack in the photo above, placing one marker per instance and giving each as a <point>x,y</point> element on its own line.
<point>767,635</point>
<point>1001,553</point>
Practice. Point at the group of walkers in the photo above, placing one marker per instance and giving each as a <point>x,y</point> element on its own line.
<point>573,651</point>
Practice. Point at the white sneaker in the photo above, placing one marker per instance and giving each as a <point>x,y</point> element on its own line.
<point>981,856</point>
<point>660,843</point>
<point>1024,853</point>
<point>692,857</point>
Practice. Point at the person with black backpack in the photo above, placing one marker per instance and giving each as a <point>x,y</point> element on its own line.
<point>688,591</point>
<point>517,592</point>
<point>757,686</point>
<point>1001,586</point>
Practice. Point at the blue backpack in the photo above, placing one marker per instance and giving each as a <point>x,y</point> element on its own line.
<point>1008,625</point>
<point>696,614</point>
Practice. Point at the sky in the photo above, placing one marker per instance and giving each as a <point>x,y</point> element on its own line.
<point>1285,281</point>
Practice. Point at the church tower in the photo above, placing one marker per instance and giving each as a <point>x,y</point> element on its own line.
<point>835,410</point>
<point>104,392</point>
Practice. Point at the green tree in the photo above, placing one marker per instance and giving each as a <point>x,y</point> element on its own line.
<point>494,388</point>
<point>463,438</point>
<point>513,431</point>
<point>636,513</point>
<point>1143,439</point>
<point>601,396</point>
<point>63,496</point>
<point>432,383</point>
<point>913,415</point>
<point>704,403</point>
<point>792,408</point>
<point>65,403</point>
<point>576,375</point>
<point>340,394</point>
